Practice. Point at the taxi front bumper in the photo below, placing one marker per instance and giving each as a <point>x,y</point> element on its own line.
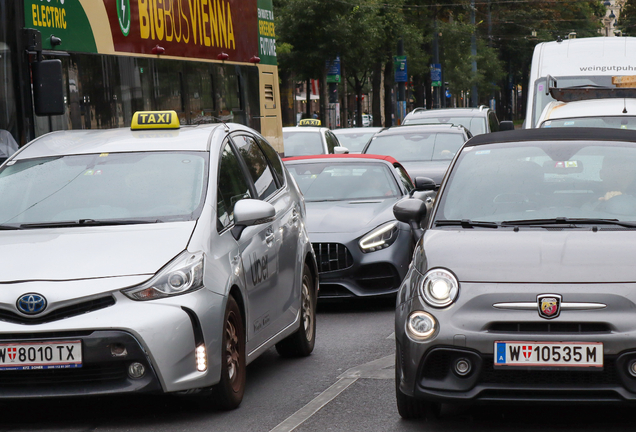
<point>161,335</point>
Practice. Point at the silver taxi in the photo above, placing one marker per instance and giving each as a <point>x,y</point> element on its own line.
<point>150,260</point>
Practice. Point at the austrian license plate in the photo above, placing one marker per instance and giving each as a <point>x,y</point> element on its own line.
<point>549,354</point>
<point>40,355</point>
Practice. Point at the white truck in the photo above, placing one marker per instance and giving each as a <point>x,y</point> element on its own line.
<point>584,63</point>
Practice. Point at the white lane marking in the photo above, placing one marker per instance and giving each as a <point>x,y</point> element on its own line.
<point>376,369</point>
<point>391,336</point>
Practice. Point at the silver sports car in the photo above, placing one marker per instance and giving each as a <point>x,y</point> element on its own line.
<point>523,286</point>
<point>150,261</point>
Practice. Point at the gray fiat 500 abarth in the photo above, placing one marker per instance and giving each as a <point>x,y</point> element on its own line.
<point>137,260</point>
<point>523,285</point>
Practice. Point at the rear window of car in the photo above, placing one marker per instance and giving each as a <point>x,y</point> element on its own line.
<point>476,125</point>
<point>417,146</point>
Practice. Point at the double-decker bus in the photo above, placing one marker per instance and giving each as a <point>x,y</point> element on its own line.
<point>208,60</point>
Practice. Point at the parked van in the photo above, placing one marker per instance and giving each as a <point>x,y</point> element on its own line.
<point>585,62</point>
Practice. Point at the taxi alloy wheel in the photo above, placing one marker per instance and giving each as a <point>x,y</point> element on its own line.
<point>301,343</point>
<point>230,389</point>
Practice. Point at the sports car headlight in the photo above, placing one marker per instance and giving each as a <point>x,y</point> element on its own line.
<point>439,288</point>
<point>380,238</point>
<point>182,275</point>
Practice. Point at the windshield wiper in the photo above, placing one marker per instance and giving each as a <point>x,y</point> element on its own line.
<point>466,223</point>
<point>9,227</point>
<point>86,222</point>
<point>569,221</point>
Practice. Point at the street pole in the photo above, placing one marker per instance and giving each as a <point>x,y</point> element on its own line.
<point>473,52</point>
<point>401,97</point>
<point>436,90</point>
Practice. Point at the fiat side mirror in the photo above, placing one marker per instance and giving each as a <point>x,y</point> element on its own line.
<point>411,211</point>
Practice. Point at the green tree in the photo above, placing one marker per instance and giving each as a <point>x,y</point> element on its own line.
<point>627,19</point>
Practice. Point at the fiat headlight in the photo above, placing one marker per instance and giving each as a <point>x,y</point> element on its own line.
<point>439,288</point>
<point>380,238</point>
<point>182,275</point>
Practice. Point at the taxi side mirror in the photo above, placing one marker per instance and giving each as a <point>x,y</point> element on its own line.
<point>249,212</point>
<point>340,150</point>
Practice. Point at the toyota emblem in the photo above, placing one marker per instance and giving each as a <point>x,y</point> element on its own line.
<point>31,303</point>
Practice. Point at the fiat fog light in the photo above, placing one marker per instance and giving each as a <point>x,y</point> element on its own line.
<point>202,363</point>
<point>462,367</point>
<point>184,274</point>
<point>439,288</point>
<point>380,238</point>
<point>421,325</point>
<point>136,370</point>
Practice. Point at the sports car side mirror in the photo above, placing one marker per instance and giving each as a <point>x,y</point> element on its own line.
<point>423,184</point>
<point>248,212</point>
<point>506,125</point>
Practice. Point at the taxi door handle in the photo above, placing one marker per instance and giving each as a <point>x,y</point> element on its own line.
<point>269,238</point>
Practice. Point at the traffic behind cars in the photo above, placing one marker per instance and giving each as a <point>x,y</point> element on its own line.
<point>157,261</point>
<point>602,113</point>
<point>361,249</point>
<point>478,121</point>
<point>354,139</point>
<point>424,150</point>
<point>309,138</point>
<point>522,285</point>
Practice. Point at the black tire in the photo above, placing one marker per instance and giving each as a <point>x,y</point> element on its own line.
<point>411,408</point>
<point>229,391</point>
<point>301,343</point>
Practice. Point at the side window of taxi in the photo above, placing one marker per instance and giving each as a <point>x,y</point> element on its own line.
<point>256,165</point>
<point>274,161</point>
<point>233,186</point>
<point>332,142</point>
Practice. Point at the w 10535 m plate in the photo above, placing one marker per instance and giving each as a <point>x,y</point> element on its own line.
<point>40,355</point>
<point>549,354</point>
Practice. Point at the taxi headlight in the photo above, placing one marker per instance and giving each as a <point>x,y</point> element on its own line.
<point>380,238</point>
<point>439,288</point>
<point>182,275</point>
<point>421,325</point>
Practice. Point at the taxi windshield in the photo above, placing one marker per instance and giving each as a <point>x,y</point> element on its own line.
<point>417,146</point>
<point>302,143</point>
<point>135,187</point>
<point>344,181</point>
<point>354,142</point>
<point>541,181</point>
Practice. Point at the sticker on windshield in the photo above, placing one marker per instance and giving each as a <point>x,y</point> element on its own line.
<point>103,155</point>
<point>568,123</point>
<point>482,152</point>
<point>540,87</point>
<point>89,173</point>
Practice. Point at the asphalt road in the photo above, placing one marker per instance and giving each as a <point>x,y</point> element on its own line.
<point>345,385</point>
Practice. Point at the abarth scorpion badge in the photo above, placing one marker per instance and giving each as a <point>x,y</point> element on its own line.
<point>549,305</point>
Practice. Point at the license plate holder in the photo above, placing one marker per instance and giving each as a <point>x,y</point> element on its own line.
<point>38,355</point>
<point>548,355</point>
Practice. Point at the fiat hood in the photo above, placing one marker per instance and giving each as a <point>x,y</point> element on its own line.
<point>348,216</point>
<point>55,254</point>
<point>533,256</point>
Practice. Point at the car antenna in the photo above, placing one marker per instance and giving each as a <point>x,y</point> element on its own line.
<point>220,120</point>
<point>624,106</point>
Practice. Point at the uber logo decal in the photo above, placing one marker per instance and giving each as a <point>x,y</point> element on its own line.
<point>258,268</point>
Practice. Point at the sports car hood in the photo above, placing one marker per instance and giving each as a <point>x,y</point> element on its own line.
<point>348,216</point>
<point>533,256</point>
<point>432,169</point>
<point>90,252</point>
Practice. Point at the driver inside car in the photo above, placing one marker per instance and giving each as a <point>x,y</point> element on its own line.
<point>619,176</point>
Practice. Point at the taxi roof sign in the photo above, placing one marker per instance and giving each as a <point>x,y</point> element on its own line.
<point>309,122</point>
<point>155,120</point>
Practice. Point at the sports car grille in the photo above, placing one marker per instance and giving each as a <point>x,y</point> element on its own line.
<point>332,256</point>
<point>59,314</point>
<point>378,277</point>
<point>548,327</point>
